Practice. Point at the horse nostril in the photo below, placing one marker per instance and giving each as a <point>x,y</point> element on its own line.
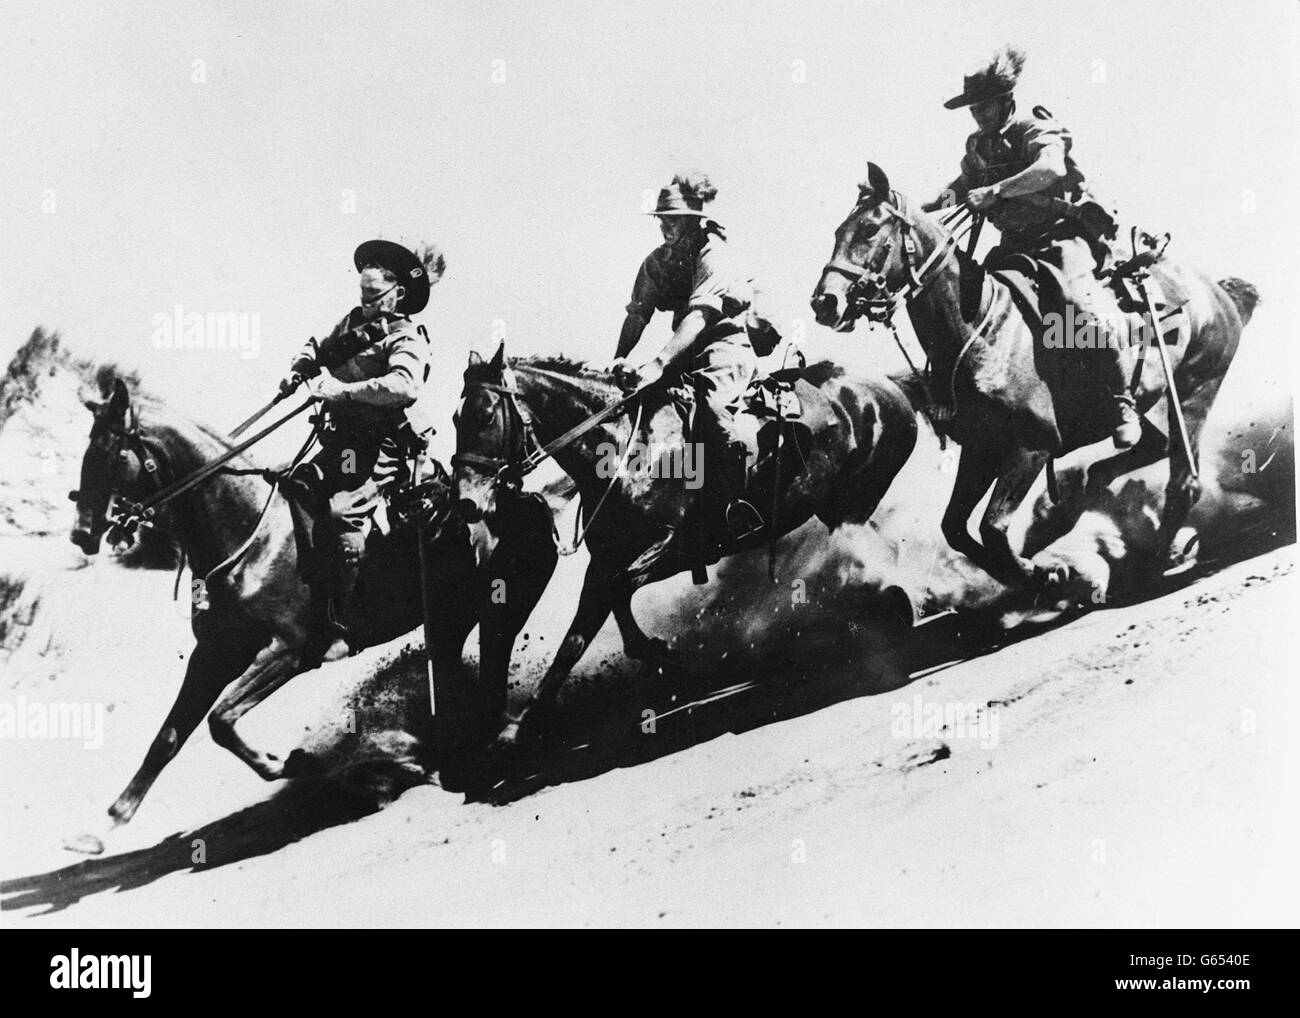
<point>823,306</point>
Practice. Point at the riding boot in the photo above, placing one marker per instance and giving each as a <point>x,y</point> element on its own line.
<point>1128,423</point>
<point>345,570</point>
<point>741,517</point>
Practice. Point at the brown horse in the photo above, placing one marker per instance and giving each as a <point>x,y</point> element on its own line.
<point>644,522</point>
<point>253,616</point>
<point>1015,403</point>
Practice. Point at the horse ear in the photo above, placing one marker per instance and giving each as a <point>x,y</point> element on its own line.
<point>878,180</point>
<point>92,405</point>
<point>475,358</point>
<point>121,398</point>
<point>499,358</point>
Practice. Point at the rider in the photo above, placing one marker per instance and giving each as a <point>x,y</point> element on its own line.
<point>1019,171</point>
<point>371,368</point>
<point>692,275</point>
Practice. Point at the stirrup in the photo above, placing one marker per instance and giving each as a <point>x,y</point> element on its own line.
<point>743,520</point>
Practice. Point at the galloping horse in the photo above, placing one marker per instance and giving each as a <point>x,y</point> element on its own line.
<point>253,620</point>
<point>1016,404</point>
<point>642,525</point>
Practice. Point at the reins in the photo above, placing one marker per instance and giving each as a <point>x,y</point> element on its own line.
<point>142,514</point>
<point>512,471</point>
<point>870,295</point>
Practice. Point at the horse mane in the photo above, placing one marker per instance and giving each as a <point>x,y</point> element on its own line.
<point>560,365</point>
<point>154,413</point>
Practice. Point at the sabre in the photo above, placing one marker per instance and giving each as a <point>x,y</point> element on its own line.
<point>1174,401</point>
<point>263,412</point>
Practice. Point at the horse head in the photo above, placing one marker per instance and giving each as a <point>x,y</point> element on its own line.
<point>491,435</point>
<point>867,266</point>
<point>117,463</point>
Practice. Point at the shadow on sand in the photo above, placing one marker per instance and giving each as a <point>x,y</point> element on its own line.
<point>598,728</point>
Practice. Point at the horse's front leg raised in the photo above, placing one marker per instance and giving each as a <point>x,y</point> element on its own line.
<point>275,664</point>
<point>215,661</point>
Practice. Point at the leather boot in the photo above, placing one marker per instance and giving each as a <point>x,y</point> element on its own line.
<point>345,570</point>
<point>741,517</point>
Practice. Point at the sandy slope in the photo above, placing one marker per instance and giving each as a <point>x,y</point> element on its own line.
<point>1142,776</point>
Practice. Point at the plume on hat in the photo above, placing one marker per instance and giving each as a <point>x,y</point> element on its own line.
<point>434,263</point>
<point>1005,67</point>
<point>696,187</point>
<point>991,79</point>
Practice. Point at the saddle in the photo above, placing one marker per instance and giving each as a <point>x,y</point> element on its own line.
<point>401,507</point>
<point>1039,290</point>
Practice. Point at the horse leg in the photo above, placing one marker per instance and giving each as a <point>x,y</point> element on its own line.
<point>594,605</point>
<point>213,664</point>
<point>500,624</point>
<point>275,664</point>
<point>636,644</point>
<point>1016,475</point>
<point>976,470</point>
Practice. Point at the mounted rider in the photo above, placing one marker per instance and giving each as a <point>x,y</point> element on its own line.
<point>368,371</point>
<point>693,276</point>
<point>1019,171</point>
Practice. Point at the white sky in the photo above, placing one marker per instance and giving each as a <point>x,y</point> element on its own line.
<point>226,195</point>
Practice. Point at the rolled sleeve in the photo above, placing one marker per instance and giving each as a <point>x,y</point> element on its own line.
<point>646,289</point>
<point>1040,135</point>
<point>718,286</point>
<point>409,363</point>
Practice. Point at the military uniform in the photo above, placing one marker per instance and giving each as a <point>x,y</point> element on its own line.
<point>365,430</point>
<point>725,364</point>
<point>378,364</point>
<point>1045,224</point>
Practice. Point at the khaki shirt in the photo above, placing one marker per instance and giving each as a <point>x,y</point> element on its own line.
<point>383,378</point>
<point>993,157</point>
<point>666,282</point>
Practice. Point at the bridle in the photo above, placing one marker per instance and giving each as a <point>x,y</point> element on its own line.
<point>519,452</point>
<point>126,516</point>
<point>869,293</point>
<point>130,437</point>
<point>524,455</point>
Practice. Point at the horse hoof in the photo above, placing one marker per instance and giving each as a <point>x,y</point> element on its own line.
<point>1183,552</point>
<point>84,844</point>
<point>510,736</point>
<point>301,764</point>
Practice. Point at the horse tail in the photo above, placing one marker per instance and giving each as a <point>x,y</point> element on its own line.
<point>1243,294</point>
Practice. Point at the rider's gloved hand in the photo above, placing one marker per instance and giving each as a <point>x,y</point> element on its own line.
<point>329,388</point>
<point>630,378</point>
<point>981,198</point>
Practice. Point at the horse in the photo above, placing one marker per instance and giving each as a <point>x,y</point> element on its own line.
<point>643,526</point>
<point>254,614</point>
<point>1016,405</point>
